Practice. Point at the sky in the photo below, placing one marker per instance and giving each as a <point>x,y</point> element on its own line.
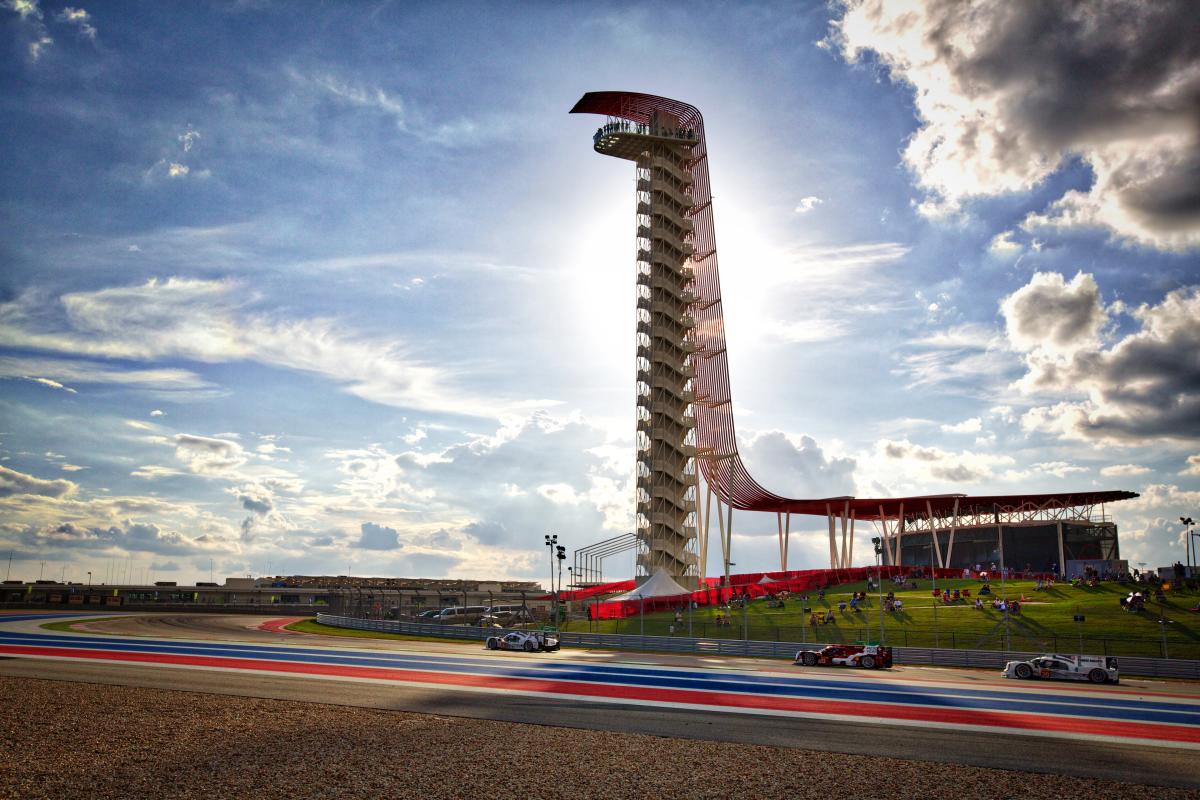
<point>300,287</point>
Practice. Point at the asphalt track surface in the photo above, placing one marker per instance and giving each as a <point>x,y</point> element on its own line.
<point>1141,731</point>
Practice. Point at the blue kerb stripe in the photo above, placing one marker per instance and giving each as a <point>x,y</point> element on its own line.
<point>703,681</point>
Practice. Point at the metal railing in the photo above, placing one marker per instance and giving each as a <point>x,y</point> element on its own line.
<point>927,656</point>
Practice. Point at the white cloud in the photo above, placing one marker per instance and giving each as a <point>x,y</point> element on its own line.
<point>378,537</point>
<point>207,321</point>
<point>1123,470</point>
<point>72,468</point>
<point>799,468</point>
<point>905,466</point>
<point>85,372</point>
<point>1059,469</point>
<point>24,8</point>
<point>1149,523</point>
<point>31,16</point>
<point>81,19</point>
<point>38,45</point>
<point>205,455</point>
<point>156,412</point>
<point>18,483</point>
<point>1052,317</point>
<point>415,436</point>
<point>808,204</point>
<point>1006,93</point>
<point>175,170</point>
<point>152,471</point>
<point>53,384</point>
<point>188,139</point>
<point>972,425</point>
<point>1193,466</point>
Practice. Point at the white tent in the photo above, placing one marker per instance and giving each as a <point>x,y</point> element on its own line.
<point>660,584</point>
<point>765,579</point>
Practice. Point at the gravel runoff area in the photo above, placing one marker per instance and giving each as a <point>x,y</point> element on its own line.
<point>63,740</point>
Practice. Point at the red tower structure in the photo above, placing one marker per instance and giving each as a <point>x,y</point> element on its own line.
<point>653,131</point>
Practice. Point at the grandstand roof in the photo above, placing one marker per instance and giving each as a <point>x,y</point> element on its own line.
<point>944,504</point>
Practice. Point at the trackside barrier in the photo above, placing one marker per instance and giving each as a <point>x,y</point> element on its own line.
<point>925,656</point>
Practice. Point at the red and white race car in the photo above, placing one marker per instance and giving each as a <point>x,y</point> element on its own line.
<point>867,656</point>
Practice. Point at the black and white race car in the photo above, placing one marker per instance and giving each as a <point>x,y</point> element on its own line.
<point>1097,669</point>
<point>529,641</point>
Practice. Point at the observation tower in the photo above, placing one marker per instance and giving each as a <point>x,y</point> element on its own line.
<point>661,148</point>
<point>685,427</point>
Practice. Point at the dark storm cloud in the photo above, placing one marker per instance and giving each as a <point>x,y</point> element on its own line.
<point>1007,92</point>
<point>1146,384</point>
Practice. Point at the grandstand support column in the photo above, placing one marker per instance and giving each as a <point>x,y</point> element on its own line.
<point>726,524</point>
<point>842,548</point>
<point>1062,557</point>
<point>933,539</point>
<point>832,538</point>
<point>784,520</point>
<point>708,497</point>
<point>853,519</point>
<point>899,534</point>
<point>724,544</point>
<point>953,528</point>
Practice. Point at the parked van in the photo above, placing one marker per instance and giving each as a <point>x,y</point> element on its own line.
<point>460,614</point>
<point>515,609</point>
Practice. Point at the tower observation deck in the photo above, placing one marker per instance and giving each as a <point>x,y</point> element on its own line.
<point>685,427</point>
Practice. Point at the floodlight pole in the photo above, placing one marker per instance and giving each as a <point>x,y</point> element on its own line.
<point>1004,591</point>
<point>879,578</point>
<point>551,542</point>
<point>937,642</point>
<point>1189,548</point>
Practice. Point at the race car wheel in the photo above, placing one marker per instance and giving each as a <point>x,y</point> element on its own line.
<point>1023,671</point>
<point>1097,676</point>
<point>809,659</point>
<point>530,647</point>
<point>868,662</point>
<point>492,644</point>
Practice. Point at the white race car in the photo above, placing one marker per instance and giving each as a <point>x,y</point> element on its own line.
<point>529,641</point>
<point>1096,669</point>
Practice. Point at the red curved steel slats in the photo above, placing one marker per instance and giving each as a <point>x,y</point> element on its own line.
<point>716,438</point>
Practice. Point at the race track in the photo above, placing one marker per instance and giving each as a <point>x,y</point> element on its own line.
<point>1143,731</point>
